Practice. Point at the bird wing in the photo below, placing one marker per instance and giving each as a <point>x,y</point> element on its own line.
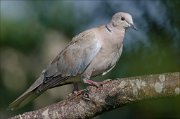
<point>75,58</point>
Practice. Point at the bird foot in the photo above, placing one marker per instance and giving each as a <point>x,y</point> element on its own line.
<point>97,84</point>
<point>84,94</point>
<point>90,82</point>
<point>76,93</point>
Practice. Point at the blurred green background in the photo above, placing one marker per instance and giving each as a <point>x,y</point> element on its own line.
<point>33,32</point>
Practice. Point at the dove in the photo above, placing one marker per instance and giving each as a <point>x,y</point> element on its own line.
<point>90,53</point>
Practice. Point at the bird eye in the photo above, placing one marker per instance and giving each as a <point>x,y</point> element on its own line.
<point>122,18</point>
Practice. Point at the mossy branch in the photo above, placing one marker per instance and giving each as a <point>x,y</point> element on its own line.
<point>113,94</point>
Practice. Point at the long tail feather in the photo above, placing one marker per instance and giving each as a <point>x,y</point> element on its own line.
<point>29,95</point>
<point>23,100</point>
<point>35,90</point>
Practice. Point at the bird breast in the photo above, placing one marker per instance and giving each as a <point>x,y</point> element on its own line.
<point>105,60</point>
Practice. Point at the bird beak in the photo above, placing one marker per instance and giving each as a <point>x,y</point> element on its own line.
<point>132,26</point>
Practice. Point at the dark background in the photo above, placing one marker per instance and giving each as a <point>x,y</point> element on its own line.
<point>33,32</point>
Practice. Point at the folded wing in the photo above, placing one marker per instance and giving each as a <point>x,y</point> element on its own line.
<point>75,58</point>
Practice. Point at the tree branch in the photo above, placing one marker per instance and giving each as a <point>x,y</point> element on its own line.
<point>113,94</point>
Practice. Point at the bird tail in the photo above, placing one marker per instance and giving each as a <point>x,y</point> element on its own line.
<point>23,100</point>
<point>35,90</point>
<point>28,96</point>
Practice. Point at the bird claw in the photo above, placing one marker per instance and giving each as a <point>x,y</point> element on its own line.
<point>98,84</point>
<point>84,93</point>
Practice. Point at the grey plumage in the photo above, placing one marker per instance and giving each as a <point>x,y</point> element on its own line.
<point>90,53</point>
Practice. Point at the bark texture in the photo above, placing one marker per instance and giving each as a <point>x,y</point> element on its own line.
<point>113,94</point>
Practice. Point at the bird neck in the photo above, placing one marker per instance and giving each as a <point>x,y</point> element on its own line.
<point>118,34</point>
<point>115,28</point>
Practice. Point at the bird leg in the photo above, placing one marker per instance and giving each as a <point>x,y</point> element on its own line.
<point>75,85</point>
<point>76,90</point>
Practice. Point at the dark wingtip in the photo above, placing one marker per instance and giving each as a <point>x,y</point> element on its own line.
<point>10,108</point>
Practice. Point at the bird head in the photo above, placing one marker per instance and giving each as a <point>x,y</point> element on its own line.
<point>122,20</point>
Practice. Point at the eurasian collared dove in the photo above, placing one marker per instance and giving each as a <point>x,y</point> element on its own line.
<point>90,53</point>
